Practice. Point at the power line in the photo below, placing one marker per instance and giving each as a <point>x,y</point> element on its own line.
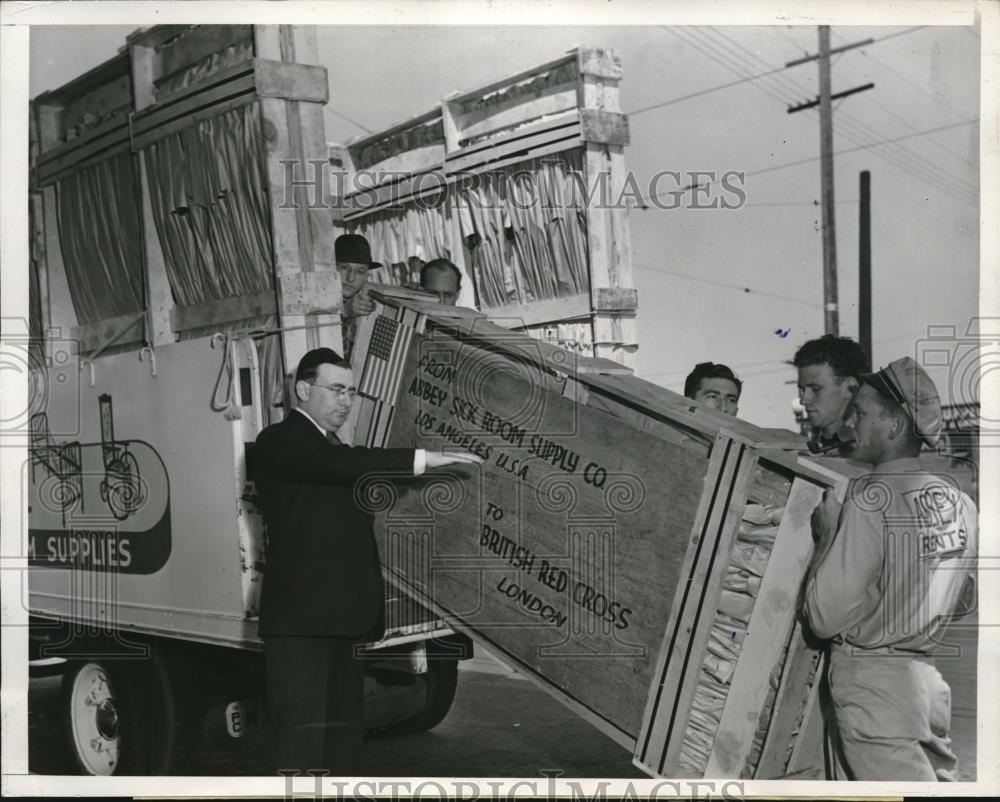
<point>706,48</point>
<point>739,287</point>
<point>343,116</point>
<point>756,77</point>
<point>857,131</point>
<point>891,158</point>
<point>797,162</point>
<point>898,33</point>
<point>936,97</point>
<point>703,92</point>
<point>863,147</point>
<point>814,203</point>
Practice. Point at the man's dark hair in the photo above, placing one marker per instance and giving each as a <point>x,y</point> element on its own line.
<point>438,264</point>
<point>709,370</point>
<point>845,357</point>
<point>309,364</point>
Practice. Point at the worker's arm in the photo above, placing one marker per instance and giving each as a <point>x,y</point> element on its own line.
<point>845,566</point>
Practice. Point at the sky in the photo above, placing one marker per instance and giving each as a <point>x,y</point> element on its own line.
<point>693,267</point>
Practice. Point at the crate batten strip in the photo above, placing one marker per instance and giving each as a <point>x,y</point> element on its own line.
<point>674,683</point>
<point>714,574</point>
<point>774,753</point>
<point>650,720</point>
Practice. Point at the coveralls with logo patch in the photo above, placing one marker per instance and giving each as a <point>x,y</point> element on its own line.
<point>905,545</point>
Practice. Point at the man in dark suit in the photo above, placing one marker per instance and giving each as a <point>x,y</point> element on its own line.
<point>322,595</point>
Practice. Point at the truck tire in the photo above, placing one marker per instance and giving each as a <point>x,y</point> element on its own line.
<point>93,701</point>
<point>440,682</point>
<point>132,717</point>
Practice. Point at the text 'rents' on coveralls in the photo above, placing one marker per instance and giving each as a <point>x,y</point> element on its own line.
<point>903,550</point>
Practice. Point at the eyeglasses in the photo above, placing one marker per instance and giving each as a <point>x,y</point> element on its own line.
<point>339,390</point>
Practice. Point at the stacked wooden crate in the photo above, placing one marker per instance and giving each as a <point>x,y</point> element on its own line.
<point>557,133</point>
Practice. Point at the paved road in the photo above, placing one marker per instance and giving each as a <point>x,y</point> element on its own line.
<point>501,725</point>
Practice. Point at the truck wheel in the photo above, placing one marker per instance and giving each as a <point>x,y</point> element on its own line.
<point>440,682</point>
<point>93,702</point>
<point>132,716</point>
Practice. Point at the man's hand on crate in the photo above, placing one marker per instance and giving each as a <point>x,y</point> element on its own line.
<point>825,517</point>
<point>439,459</point>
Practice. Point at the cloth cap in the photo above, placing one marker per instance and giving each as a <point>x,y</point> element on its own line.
<point>908,384</point>
<point>354,248</point>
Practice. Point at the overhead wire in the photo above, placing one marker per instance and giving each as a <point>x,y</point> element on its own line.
<point>904,79</point>
<point>352,121</point>
<point>850,135</point>
<point>706,50</point>
<point>728,85</point>
<point>782,166</point>
<point>702,92</point>
<point>857,131</point>
<point>857,128</point>
<point>740,287</point>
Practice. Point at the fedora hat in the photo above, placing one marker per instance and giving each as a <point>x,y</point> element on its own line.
<point>354,248</point>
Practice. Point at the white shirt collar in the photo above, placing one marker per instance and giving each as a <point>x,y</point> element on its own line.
<point>311,419</point>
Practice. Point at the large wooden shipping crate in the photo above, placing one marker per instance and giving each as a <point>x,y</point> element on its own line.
<point>636,553</point>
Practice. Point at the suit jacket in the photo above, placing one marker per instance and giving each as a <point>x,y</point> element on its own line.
<point>323,576</point>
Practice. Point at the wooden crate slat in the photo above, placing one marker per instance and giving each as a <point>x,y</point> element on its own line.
<point>709,576</point>
<point>679,654</point>
<point>772,619</point>
<point>792,690</point>
<point>148,126</point>
<point>192,46</point>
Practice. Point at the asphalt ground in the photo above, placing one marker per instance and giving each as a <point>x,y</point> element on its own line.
<point>500,725</point>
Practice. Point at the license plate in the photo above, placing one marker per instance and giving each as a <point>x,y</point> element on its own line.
<point>245,716</point>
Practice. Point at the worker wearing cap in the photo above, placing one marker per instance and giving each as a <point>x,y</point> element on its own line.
<point>354,260</point>
<point>890,566</point>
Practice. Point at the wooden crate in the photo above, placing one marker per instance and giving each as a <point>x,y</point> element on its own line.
<point>638,555</point>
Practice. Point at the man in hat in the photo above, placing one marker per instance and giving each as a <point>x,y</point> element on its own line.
<point>715,385</point>
<point>354,260</point>
<point>889,570</point>
<point>828,368</point>
<point>323,595</point>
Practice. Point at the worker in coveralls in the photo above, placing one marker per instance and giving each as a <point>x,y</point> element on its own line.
<point>890,567</point>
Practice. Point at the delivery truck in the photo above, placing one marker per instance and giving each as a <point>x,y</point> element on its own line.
<point>173,288</point>
<point>182,196</point>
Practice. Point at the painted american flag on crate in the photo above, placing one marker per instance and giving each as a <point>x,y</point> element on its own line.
<point>388,348</point>
<point>386,354</point>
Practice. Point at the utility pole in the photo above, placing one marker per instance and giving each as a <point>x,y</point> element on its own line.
<point>831,314</point>
<point>865,266</point>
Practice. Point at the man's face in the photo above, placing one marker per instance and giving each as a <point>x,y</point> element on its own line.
<point>444,282</point>
<point>872,430</point>
<point>825,397</point>
<point>353,276</point>
<point>328,399</point>
<point>720,394</point>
